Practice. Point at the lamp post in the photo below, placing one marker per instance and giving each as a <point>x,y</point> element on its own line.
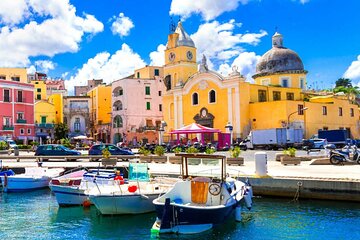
<point>288,119</point>
<point>230,128</point>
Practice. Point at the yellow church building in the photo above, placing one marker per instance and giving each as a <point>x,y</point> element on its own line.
<point>278,97</point>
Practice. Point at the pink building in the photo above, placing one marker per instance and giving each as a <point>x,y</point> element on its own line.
<point>137,106</point>
<point>16,104</point>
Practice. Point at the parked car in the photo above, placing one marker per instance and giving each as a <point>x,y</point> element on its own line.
<point>114,150</point>
<point>55,150</point>
<point>315,143</point>
<point>12,144</point>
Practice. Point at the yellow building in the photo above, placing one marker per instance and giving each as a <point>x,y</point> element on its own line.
<point>100,112</point>
<point>58,101</point>
<point>39,89</point>
<point>44,119</point>
<point>277,99</point>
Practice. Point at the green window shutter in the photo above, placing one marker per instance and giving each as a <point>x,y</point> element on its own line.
<point>147,105</point>
<point>147,90</point>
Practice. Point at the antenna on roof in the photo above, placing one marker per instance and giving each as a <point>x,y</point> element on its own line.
<point>171,26</point>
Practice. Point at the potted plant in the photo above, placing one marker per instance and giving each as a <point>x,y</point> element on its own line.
<point>145,155</point>
<point>175,159</point>
<point>195,161</point>
<point>289,157</point>
<point>106,160</point>
<point>160,155</point>
<point>3,147</point>
<point>235,157</point>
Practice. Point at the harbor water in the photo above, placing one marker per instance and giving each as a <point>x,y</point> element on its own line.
<point>36,215</point>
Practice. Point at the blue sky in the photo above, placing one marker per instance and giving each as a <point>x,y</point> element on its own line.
<point>79,40</point>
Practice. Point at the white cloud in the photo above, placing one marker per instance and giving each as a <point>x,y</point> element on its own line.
<point>121,25</point>
<point>59,30</point>
<point>107,67</point>
<point>224,44</point>
<point>245,62</point>
<point>208,9</point>
<point>157,57</point>
<point>353,71</point>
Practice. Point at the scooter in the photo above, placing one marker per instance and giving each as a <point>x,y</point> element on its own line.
<point>347,154</point>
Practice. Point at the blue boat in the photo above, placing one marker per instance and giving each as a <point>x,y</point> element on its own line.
<point>197,204</point>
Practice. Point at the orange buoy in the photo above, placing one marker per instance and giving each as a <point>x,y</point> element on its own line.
<point>86,204</point>
<point>132,188</point>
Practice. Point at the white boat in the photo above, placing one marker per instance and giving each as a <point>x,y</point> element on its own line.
<point>133,198</point>
<point>197,204</point>
<point>72,188</point>
<point>33,178</point>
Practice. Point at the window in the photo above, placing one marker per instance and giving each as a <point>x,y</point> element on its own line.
<point>195,99</point>
<point>301,83</point>
<point>138,75</point>
<point>38,89</point>
<point>285,82</point>
<point>340,111</point>
<point>159,93</point>
<point>19,96</point>
<point>351,112</point>
<point>22,131</point>
<point>147,105</point>
<point>276,96</point>
<point>29,131</point>
<point>6,95</point>
<point>118,122</point>
<point>324,110</point>
<point>38,96</point>
<point>212,96</point>
<point>15,78</point>
<point>7,121</point>
<point>262,95</point>
<point>147,90</point>
<point>20,115</point>
<point>121,92</point>
<point>77,125</point>
<point>160,107</point>
<point>301,109</point>
<point>2,77</point>
<point>156,72</point>
<point>43,119</point>
<point>289,96</point>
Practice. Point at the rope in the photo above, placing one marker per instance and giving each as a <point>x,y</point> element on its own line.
<point>297,193</point>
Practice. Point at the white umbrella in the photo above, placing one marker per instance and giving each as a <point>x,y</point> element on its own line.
<point>80,137</point>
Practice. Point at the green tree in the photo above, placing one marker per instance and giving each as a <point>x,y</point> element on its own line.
<point>344,82</point>
<point>60,131</point>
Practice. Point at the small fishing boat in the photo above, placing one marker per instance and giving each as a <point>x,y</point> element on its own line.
<point>196,204</point>
<point>133,198</point>
<point>33,178</point>
<point>72,187</point>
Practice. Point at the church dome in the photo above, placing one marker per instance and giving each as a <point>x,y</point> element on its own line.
<point>184,38</point>
<point>278,59</point>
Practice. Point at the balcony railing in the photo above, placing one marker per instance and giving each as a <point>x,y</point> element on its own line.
<point>44,125</point>
<point>21,121</point>
<point>8,128</point>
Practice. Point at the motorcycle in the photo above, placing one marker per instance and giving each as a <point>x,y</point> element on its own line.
<point>347,154</point>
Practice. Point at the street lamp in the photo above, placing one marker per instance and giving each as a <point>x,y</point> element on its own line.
<point>288,119</point>
<point>230,128</point>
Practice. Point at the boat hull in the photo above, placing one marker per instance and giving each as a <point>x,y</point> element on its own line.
<point>21,184</point>
<point>191,219</point>
<point>69,195</point>
<point>124,204</point>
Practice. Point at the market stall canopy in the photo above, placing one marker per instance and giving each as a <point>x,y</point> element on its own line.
<point>194,128</point>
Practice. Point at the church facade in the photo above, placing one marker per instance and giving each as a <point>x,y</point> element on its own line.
<point>278,98</point>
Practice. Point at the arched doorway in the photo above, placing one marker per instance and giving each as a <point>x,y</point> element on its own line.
<point>117,138</point>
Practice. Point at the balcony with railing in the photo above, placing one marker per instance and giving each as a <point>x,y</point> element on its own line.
<point>21,121</point>
<point>44,125</point>
<point>8,128</point>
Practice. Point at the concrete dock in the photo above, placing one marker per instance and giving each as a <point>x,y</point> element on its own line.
<point>301,181</point>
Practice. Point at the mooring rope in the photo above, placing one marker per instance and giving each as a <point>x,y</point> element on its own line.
<point>297,193</point>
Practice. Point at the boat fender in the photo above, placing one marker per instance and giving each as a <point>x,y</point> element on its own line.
<point>86,204</point>
<point>132,188</point>
<point>238,216</point>
<point>5,180</point>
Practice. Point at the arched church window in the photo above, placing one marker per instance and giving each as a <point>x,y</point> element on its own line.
<point>212,96</point>
<point>195,99</point>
